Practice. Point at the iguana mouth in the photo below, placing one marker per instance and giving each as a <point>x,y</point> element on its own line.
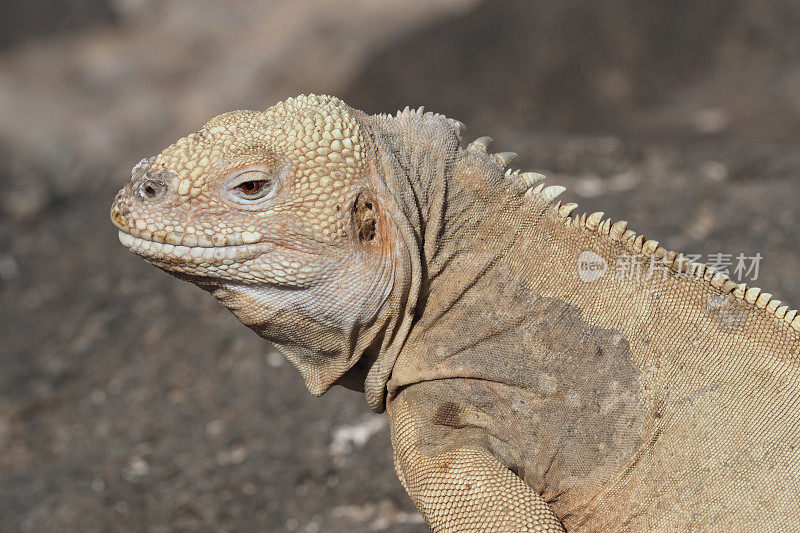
<point>165,253</point>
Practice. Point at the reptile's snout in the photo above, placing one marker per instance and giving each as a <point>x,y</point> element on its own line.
<point>118,215</point>
<point>146,186</point>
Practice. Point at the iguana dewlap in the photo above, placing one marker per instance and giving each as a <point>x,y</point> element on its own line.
<point>378,253</point>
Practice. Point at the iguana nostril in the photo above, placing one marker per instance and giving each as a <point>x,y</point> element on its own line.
<point>152,189</point>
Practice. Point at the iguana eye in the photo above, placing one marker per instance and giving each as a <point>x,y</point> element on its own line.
<point>252,185</point>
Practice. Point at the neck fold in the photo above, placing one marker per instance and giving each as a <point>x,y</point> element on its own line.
<point>414,152</point>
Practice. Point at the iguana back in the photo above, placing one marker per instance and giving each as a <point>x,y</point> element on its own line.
<point>666,398</point>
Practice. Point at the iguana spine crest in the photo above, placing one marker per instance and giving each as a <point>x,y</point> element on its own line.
<point>678,263</point>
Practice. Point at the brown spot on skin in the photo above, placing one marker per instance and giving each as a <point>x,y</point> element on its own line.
<point>560,397</point>
<point>449,414</point>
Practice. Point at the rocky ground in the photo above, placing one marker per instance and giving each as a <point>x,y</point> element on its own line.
<point>130,402</point>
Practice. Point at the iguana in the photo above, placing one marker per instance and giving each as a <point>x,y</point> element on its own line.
<point>528,387</point>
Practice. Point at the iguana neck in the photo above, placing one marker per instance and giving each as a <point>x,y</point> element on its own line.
<point>409,180</point>
<point>456,210</point>
<point>415,152</point>
<point>402,179</point>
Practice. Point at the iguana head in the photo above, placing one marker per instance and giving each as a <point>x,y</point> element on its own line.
<point>280,215</point>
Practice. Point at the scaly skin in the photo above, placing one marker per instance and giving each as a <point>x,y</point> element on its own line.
<point>379,254</point>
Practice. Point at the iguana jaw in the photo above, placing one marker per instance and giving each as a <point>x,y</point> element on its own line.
<point>263,261</point>
<point>198,260</point>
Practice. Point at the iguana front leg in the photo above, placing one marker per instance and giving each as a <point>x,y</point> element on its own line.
<point>461,486</point>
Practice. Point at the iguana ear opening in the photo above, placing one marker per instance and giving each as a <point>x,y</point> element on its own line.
<point>366,218</point>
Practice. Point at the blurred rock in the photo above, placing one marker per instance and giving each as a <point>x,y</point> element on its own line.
<point>110,95</point>
<point>23,21</point>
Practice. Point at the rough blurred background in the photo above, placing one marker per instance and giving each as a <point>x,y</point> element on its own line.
<point>132,402</point>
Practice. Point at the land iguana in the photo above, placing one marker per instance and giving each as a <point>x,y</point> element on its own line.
<point>523,392</point>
